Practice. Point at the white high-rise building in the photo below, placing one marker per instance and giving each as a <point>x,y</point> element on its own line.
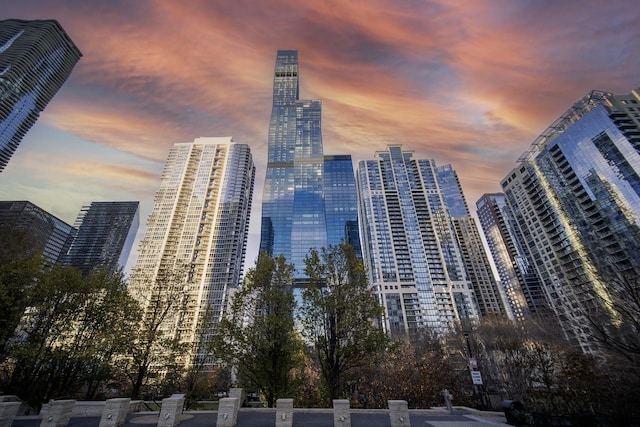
<point>197,232</point>
<point>409,244</point>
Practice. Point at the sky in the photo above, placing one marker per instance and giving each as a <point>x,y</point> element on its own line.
<point>467,83</point>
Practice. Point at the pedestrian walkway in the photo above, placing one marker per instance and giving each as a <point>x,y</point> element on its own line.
<point>263,417</point>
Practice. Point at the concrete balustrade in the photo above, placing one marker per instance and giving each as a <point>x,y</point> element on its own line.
<point>8,411</point>
<point>399,413</point>
<point>171,412</point>
<point>227,412</point>
<point>56,413</point>
<point>240,394</point>
<point>284,413</point>
<point>115,412</point>
<point>341,413</point>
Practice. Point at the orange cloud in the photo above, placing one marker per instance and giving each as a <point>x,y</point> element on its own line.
<point>466,83</point>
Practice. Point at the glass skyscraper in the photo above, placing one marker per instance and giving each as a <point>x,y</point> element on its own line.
<point>198,227</point>
<point>36,57</point>
<point>309,199</point>
<point>106,231</point>
<point>491,298</point>
<point>409,245</point>
<point>576,200</point>
<point>518,276</point>
<point>48,235</point>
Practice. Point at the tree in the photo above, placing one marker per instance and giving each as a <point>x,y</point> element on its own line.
<point>538,367</point>
<point>104,331</point>
<point>72,331</point>
<point>615,318</point>
<point>19,267</point>
<point>154,350</point>
<point>340,315</point>
<point>257,336</point>
<point>414,369</point>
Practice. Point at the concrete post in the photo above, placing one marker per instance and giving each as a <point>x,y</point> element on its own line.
<point>8,411</point>
<point>227,412</point>
<point>240,394</point>
<point>284,413</point>
<point>56,413</point>
<point>399,413</point>
<point>115,412</point>
<point>341,413</point>
<point>171,412</point>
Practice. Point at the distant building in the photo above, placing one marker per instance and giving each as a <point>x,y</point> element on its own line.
<point>198,229</point>
<point>576,200</point>
<point>106,231</point>
<point>518,275</point>
<point>409,244</point>
<point>341,202</point>
<point>48,235</point>
<point>491,298</point>
<point>309,199</point>
<point>36,57</point>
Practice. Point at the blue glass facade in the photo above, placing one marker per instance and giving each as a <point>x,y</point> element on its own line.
<point>517,273</point>
<point>36,57</point>
<point>341,202</point>
<point>307,200</point>
<point>491,299</point>
<point>576,200</point>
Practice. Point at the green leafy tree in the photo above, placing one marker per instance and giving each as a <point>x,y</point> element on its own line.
<point>340,315</point>
<point>104,331</point>
<point>154,353</point>
<point>257,336</point>
<point>70,334</point>
<point>19,267</point>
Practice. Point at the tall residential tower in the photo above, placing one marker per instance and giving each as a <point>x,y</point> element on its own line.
<point>197,230</point>
<point>518,276</point>
<point>576,200</point>
<point>36,57</point>
<point>409,244</point>
<point>106,231</point>
<point>491,298</point>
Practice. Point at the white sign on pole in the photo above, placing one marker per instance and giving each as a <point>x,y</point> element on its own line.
<point>476,377</point>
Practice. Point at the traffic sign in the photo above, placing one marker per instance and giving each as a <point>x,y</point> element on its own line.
<point>476,377</point>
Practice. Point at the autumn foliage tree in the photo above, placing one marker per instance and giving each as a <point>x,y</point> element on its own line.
<point>415,369</point>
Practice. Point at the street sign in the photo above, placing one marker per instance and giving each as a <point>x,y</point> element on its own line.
<point>473,363</point>
<point>476,377</point>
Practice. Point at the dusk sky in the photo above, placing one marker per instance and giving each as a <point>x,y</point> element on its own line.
<point>467,83</point>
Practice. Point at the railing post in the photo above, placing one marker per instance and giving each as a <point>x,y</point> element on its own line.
<point>341,413</point>
<point>284,413</point>
<point>115,412</point>
<point>227,412</point>
<point>399,413</point>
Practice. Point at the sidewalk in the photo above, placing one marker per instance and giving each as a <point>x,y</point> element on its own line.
<point>265,417</point>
